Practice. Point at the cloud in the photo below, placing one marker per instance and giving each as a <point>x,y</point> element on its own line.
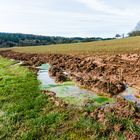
<point>95,4</point>
<point>68,18</point>
<point>102,6</point>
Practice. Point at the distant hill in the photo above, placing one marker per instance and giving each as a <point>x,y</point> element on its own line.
<point>18,39</point>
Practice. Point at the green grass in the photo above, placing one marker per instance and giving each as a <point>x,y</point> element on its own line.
<point>27,114</point>
<point>127,45</point>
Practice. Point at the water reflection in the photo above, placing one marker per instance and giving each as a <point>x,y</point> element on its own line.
<point>67,90</point>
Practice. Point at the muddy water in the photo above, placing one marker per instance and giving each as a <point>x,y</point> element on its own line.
<point>68,91</point>
<point>73,94</point>
<point>130,94</point>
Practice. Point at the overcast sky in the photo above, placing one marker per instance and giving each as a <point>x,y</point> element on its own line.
<point>84,18</point>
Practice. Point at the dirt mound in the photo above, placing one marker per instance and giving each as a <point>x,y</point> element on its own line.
<point>58,74</point>
<point>118,117</point>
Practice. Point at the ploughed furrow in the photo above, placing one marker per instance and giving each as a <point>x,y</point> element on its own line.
<point>100,73</point>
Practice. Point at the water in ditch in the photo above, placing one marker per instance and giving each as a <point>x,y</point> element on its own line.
<point>73,94</point>
<point>68,91</point>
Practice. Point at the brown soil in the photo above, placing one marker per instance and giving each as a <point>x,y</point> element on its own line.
<point>114,116</point>
<point>102,74</point>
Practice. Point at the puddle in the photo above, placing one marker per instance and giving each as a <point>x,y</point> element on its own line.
<point>68,91</point>
<point>73,94</point>
<point>129,94</point>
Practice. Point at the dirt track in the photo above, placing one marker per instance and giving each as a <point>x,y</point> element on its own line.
<point>102,74</point>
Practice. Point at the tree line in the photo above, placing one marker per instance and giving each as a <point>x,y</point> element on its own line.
<point>18,39</point>
<point>134,33</point>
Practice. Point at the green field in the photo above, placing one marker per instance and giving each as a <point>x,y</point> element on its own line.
<point>127,45</point>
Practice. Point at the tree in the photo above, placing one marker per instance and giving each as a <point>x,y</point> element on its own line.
<point>118,36</point>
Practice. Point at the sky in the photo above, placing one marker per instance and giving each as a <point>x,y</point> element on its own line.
<point>69,18</point>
